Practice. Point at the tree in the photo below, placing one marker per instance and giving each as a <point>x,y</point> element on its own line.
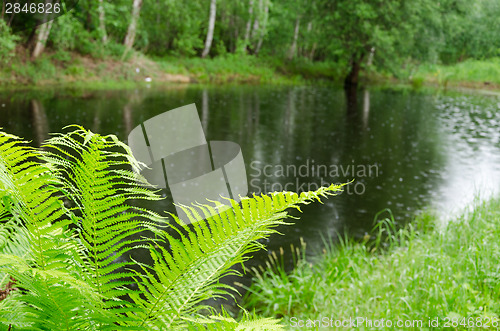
<point>293,47</point>
<point>249,21</point>
<point>262,25</point>
<point>132,28</point>
<point>40,38</point>
<point>102,22</point>
<point>211,25</point>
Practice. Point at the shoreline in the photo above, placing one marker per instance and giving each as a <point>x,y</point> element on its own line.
<point>83,72</point>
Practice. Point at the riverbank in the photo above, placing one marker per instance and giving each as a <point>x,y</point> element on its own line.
<point>62,68</point>
<point>73,69</point>
<point>474,74</point>
<point>450,275</point>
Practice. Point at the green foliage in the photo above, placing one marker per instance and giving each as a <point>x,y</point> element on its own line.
<point>68,226</point>
<point>7,42</point>
<point>410,273</point>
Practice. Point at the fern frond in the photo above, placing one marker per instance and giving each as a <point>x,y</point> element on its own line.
<point>32,190</point>
<point>99,180</point>
<point>223,321</point>
<point>185,274</point>
<point>42,260</point>
<point>71,264</point>
<point>52,299</point>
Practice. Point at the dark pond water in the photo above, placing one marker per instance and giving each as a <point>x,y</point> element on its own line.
<point>407,151</point>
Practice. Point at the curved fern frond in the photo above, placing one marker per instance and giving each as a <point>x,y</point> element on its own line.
<point>98,178</point>
<point>185,274</point>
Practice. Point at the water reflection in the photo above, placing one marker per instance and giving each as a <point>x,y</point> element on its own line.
<point>39,122</point>
<point>429,150</point>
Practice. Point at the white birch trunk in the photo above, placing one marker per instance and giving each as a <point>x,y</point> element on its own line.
<point>102,22</point>
<point>263,28</point>
<point>211,25</point>
<point>249,22</point>
<point>293,48</point>
<point>370,57</point>
<point>255,27</point>
<point>42,34</point>
<point>132,28</point>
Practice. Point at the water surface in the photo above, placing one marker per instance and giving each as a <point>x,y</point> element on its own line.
<point>406,151</point>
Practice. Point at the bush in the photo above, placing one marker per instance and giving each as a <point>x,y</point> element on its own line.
<point>7,42</point>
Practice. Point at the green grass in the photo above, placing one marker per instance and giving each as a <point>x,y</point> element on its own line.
<point>415,273</point>
<point>250,69</point>
<point>62,67</point>
<point>479,71</point>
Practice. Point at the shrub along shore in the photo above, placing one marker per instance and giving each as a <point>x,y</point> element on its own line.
<point>426,275</point>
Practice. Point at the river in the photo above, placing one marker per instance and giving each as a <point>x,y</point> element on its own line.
<point>406,151</point>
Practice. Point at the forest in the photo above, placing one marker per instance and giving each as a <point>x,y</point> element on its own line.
<point>321,38</point>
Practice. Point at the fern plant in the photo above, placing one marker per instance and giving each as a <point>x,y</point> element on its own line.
<point>68,226</point>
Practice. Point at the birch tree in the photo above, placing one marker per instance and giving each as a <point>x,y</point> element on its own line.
<point>211,26</point>
<point>293,47</point>
<point>40,38</point>
<point>249,22</point>
<point>263,27</point>
<point>132,28</point>
<point>102,22</point>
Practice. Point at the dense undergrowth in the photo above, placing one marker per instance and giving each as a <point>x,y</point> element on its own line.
<point>450,273</point>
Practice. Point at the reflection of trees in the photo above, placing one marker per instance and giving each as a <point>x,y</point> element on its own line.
<point>204,110</point>
<point>366,108</point>
<point>133,100</point>
<point>351,96</point>
<point>39,121</point>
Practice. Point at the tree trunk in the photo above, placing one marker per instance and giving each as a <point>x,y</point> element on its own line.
<point>256,22</point>
<point>249,22</point>
<point>313,50</point>
<point>352,77</point>
<point>102,23</point>
<point>293,48</point>
<point>370,57</point>
<point>211,25</point>
<point>41,36</point>
<point>132,28</point>
<point>263,28</point>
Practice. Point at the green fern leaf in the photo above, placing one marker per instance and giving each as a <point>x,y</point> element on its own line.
<point>43,259</point>
<point>98,178</point>
<point>185,274</point>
